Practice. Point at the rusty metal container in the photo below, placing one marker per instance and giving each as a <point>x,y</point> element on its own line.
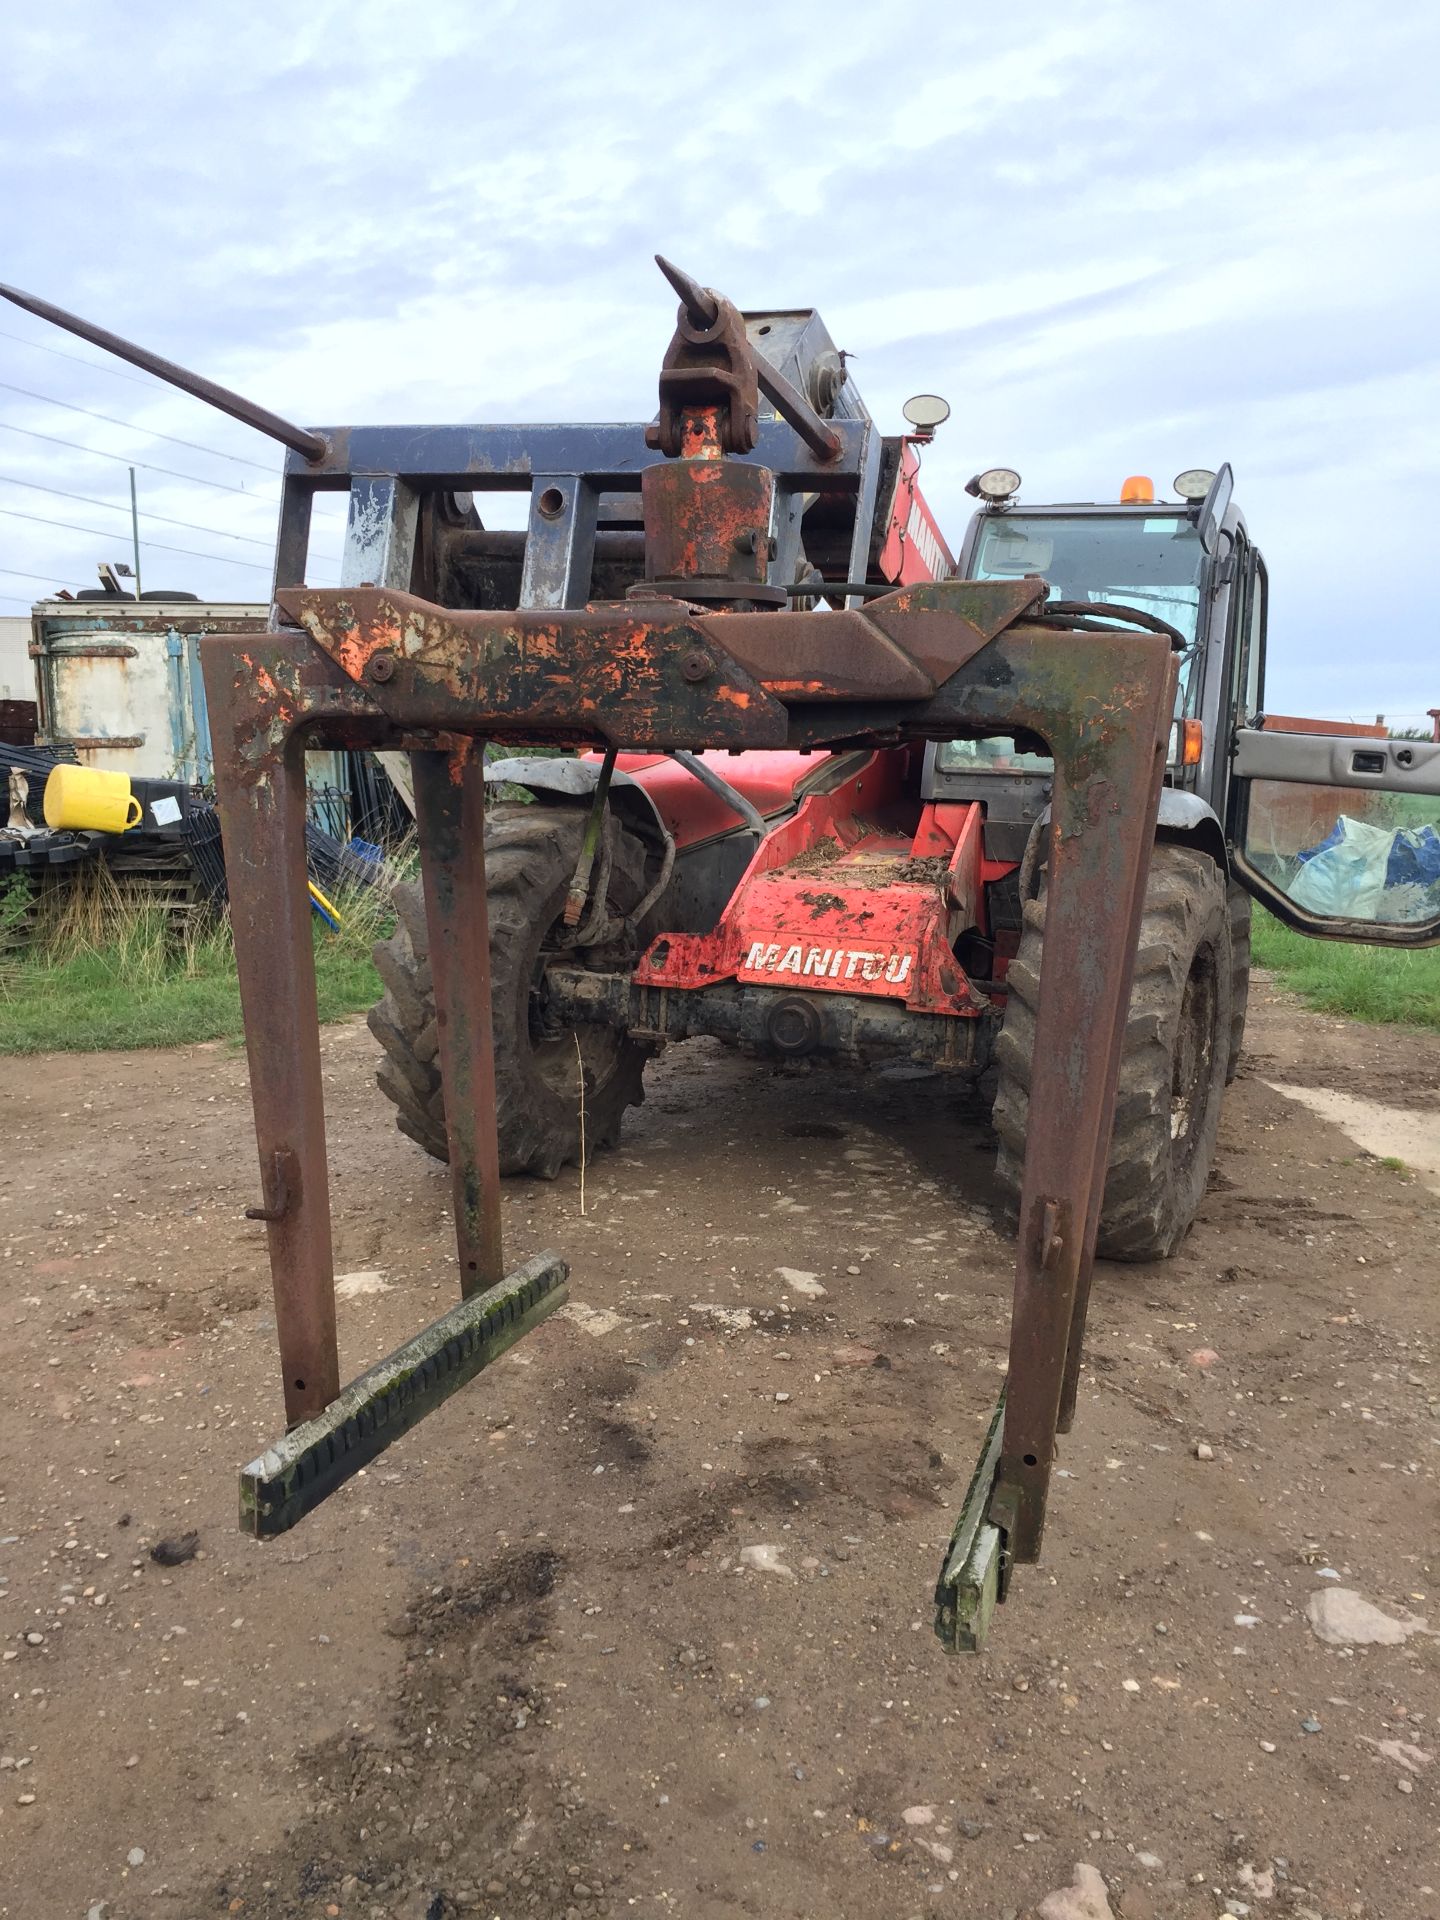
<point>118,681</point>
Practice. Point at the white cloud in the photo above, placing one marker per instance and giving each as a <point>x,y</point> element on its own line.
<point>1148,239</point>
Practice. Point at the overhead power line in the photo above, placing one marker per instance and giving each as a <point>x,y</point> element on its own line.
<point>145,466</point>
<point>159,546</point>
<point>99,366</point>
<point>17,574</point>
<point>113,506</point>
<point>160,519</point>
<point>151,382</point>
<point>146,433</point>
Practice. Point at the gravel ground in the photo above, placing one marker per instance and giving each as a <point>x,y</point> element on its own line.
<point>525,1664</point>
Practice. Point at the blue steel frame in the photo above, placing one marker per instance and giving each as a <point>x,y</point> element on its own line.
<point>577,476</point>
<point>386,470</point>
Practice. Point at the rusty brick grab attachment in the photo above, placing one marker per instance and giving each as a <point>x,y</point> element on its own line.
<point>611,674</point>
<point>700,657</point>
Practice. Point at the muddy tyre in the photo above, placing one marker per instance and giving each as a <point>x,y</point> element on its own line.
<point>530,855</point>
<point>1177,1047</point>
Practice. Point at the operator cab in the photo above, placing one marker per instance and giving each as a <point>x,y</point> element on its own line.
<point>1187,561</point>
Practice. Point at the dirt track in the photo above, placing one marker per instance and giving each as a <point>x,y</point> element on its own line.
<point>518,1668</point>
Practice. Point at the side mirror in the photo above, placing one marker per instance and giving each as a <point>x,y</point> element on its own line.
<point>1213,508</point>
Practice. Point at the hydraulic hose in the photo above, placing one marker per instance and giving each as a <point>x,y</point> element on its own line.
<point>722,789</point>
<point>1097,616</point>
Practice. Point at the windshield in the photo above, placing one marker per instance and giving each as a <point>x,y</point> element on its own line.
<point>1149,561</point>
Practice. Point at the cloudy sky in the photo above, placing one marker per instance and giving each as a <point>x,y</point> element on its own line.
<point>1119,237</point>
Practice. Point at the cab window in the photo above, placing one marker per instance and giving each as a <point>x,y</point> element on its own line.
<point>1150,561</point>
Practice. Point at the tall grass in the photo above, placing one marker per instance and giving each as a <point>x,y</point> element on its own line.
<point>1387,985</point>
<point>106,967</point>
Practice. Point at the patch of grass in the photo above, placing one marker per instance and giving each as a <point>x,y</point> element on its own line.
<point>1387,985</point>
<point>106,970</point>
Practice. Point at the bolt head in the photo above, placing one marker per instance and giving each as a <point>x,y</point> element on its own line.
<point>696,666</point>
<point>381,667</point>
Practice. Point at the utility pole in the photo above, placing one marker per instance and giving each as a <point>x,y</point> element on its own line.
<point>135,531</point>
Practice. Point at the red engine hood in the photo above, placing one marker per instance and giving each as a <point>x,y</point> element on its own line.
<point>692,813</point>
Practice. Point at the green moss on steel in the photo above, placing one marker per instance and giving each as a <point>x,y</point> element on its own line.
<point>968,1589</point>
<point>303,1468</point>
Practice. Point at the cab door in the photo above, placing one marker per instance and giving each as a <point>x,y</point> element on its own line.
<point>1339,836</point>
<point>1335,829</point>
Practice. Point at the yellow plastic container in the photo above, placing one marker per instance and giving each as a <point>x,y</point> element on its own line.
<point>90,797</point>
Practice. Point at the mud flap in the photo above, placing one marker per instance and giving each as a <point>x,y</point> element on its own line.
<point>974,1575</point>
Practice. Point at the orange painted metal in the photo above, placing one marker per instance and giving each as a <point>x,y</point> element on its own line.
<point>914,547</point>
<point>829,904</point>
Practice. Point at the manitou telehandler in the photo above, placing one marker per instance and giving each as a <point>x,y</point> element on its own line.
<point>874,903</point>
<point>810,788</point>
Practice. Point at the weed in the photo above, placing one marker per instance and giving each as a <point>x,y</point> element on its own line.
<point>107,968</point>
<point>16,896</point>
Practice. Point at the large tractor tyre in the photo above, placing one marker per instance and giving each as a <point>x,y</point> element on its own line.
<point>1239,903</point>
<point>1172,1069</point>
<point>530,857</point>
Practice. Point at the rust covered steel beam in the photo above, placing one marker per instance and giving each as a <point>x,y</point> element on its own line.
<point>450,823</point>
<point>648,673</point>
<point>264,827</point>
<point>1103,703</point>
<point>629,675</point>
<point>375,668</point>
